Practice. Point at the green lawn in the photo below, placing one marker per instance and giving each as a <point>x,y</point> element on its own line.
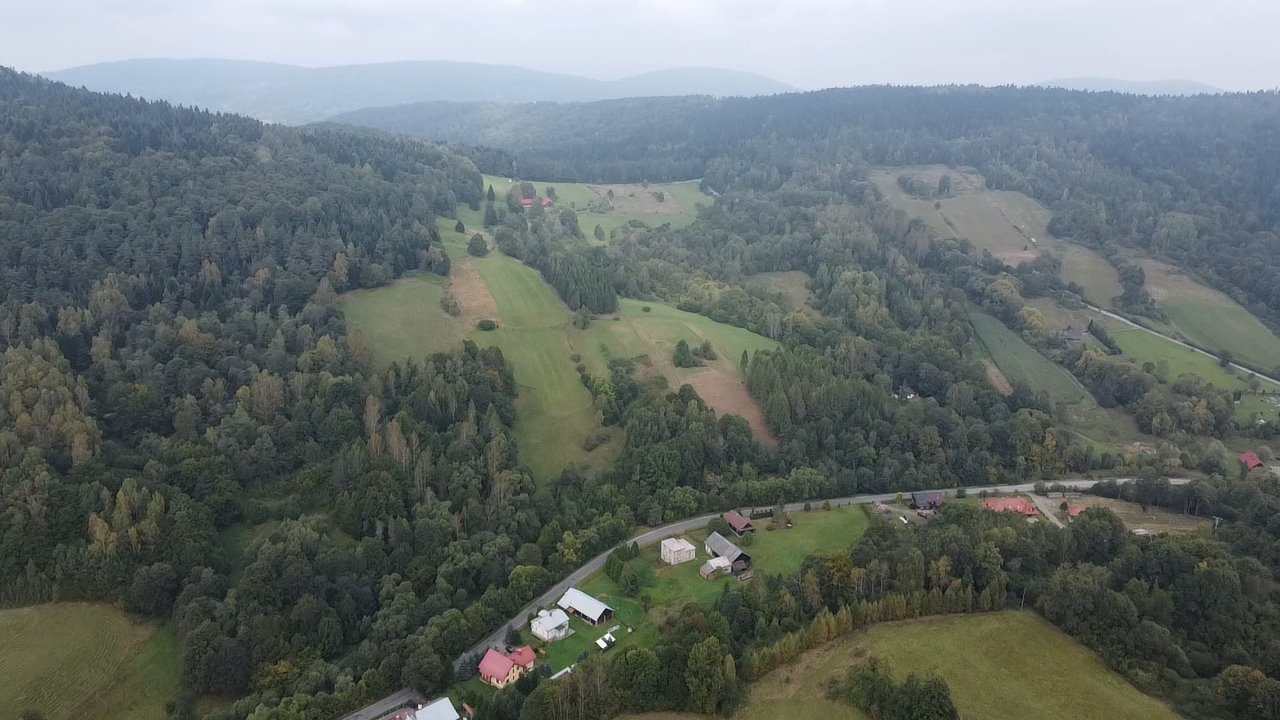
<point>1226,325</point>
<point>402,320</point>
<point>634,626</point>
<point>1000,666</point>
<point>1022,363</point>
<point>85,662</point>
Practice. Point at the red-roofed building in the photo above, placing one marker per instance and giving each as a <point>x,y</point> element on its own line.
<point>526,203</point>
<point>741,525</point>
<point>500,669</point>
<point>1251,461</point>
<point>1074,511</point>
<point>1020,505</point>
<point>548,202</point>
<point>523,656</point>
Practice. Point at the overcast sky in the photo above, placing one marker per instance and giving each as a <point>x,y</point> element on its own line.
<point>809,43</point>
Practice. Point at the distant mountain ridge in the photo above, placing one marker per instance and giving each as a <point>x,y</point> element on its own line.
<point>1134,87</point>
<point>295,95</point>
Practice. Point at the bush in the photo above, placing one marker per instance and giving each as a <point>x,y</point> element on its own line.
<point>486,325</point>
<point>450,305</point>
<point>595,439</point>
<point>477,246</point>
<point>962,493</point>
<point>645,308</point>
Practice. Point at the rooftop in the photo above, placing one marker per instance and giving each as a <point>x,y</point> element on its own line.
<point>722,547</point>
<point>441,709</point>
<point>583,604</point>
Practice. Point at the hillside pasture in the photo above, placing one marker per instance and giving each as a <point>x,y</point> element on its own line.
<point>1209,319</point>
<point>555,412</point>
<point>678,205</point>
<point>87,662</point>
<point>1010,225</point>
<point>1000,666</point>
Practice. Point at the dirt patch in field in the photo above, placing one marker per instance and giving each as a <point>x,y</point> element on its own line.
<point>727,395</point>
<point>997,379</point>
<point>472,294</point>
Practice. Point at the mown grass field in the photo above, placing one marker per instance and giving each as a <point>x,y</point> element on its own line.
<point>403,320</point>
<point>85,662</point>
<point>1209,319</point>
<point>1000,221</point>
<point>791,284</point>
<point>555,413</point>
<point>1000,666</point>
<point>1022,363</point>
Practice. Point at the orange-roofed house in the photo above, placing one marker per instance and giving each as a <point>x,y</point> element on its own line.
<point>1074,511</point>
<point>1020,505</point>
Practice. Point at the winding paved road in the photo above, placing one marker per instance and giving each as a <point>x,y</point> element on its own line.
<point>658,534</point>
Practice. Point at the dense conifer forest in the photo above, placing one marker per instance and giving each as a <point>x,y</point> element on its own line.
<point>176,369</point>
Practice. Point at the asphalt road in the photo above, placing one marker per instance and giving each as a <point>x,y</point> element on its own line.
<point>658,534</point>
<point>1120,318</point>
<point>384,706</point>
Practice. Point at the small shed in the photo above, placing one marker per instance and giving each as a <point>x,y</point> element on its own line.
<point>677,550</point>
<point>715,566</point>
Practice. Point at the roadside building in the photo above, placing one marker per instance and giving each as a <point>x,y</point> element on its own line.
<point>500,669</point>
<point>739,524</point>
<point>550,625</point>
<point>1251,461</point>
<point>584,606</point>
<point>928,500</point>
<point>1020,505</point>
<point>677,550</point>
<point>718,546</point>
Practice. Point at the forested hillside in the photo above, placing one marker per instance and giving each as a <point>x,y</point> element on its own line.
<point>1196,179</point>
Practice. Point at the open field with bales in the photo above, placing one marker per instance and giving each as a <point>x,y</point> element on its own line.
<point>1000,666</point>
<point>1012,226</point>
<point>77,661</point>
<point>613,206</point>
<point>556,413</point>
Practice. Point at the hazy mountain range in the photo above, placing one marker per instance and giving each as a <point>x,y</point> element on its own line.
<point>1134,87</point>
<point>295,95</point>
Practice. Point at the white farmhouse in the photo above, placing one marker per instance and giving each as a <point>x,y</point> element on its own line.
<point>550,625</point>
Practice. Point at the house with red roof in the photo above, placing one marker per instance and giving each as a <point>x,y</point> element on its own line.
<point>1251,461</point>
<point>526,203</point>
<point>740,525</point>
<point>548,202</point>
<point>500,669</point>
<point>1020,505</point>
<point>1074,511</point>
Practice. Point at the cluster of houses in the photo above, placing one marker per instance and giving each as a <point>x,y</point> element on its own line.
<point>500,668</point>
<point>723,556</point>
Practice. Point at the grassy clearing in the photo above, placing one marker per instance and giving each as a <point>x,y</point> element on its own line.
<point>1000,666</point>
<point>1022,363</point>
<point>791,284</point>
<point>403,320</point>
<point>71,660</point>
<point>1000,221</point>
<point>679,204</point>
